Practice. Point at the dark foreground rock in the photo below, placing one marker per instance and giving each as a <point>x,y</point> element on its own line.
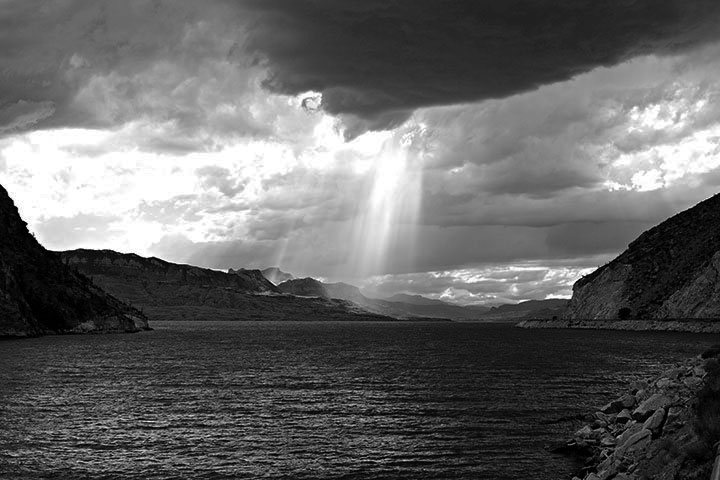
<point>40,295</point>
<point>648,432</point>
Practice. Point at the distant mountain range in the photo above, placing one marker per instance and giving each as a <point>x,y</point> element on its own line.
<point>39,295</point>
<point>410,306</point>
<point>554,307</point>
<point>417,300</point>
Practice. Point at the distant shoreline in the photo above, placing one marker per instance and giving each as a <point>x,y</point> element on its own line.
<point>680,325</point>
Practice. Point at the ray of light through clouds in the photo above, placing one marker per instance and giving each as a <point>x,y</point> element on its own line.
<point>205,134</point>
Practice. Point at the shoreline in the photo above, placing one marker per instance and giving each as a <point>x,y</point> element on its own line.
<point>689,325</point>
<point>649,431</point>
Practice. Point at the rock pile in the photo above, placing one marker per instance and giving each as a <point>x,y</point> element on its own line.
<point>646,432</point>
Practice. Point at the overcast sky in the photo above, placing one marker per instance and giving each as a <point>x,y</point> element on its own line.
<point>474,151</point>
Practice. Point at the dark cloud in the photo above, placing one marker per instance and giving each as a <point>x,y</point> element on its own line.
<point>379,60</point>
<point>166,72</point>
<point>186,73</point>
<point>455,247</point>
<point>601,206</point>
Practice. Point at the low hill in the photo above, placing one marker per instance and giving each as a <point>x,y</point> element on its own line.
<point>670,271</point>
<point>40,295</point>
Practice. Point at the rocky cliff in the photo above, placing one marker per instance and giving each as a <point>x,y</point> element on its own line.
<point>170,291</point>
<point>106,264</point>
<point>670,271</point>
<point>39,295</point>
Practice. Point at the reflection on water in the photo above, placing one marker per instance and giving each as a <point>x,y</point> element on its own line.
<point>311,400</point>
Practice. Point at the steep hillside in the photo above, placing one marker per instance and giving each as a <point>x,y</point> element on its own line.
<point>670,271</point>
<point>169,291</point>
<point>39,295</point>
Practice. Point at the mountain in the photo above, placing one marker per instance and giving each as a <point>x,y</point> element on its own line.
<point>275,275</point>
<point>397,309</point>
<point>348,292</point>
<point>305,287</point>
<point>414,299</point>
<point>170,291</point>
<point>549,308</point>
<point>39,295</point>
<point>670,271</point>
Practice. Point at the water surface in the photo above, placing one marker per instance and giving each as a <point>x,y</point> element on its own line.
<point>312,400</point>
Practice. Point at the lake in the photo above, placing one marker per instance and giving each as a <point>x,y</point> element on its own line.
<point>313,400</point>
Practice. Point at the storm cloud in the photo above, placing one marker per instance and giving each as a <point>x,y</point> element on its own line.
<point>377,61</point>
<point>492,150</point>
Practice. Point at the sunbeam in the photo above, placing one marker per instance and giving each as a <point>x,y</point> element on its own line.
<point>384,228</point>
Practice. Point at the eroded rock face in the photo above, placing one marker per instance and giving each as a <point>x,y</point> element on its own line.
<point>129,265</point>
<point>670,271</point>
<point>39,294</point>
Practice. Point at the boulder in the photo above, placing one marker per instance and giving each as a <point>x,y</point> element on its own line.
<point>674,420</point>
<point>626,401</point>
<point>634,443</point>
<point>646,408</point>
<point>607,440</point>
<point>631,429</point>
<point>638,385</point>
<point>585,433</point>
<point>655,422</point>
<point>692,382</point>
<point>624,416</point>
<point>664,383</point>
<point>673,373</point>
<point>641,395</point>
<point>609,409</point>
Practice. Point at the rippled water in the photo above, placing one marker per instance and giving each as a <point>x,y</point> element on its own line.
<point>312,400</point>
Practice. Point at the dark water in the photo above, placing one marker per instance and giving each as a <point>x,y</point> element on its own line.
<point>312,400</point>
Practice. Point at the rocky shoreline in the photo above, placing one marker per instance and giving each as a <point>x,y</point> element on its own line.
<point>689,325</point>
<point>649,432</point>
